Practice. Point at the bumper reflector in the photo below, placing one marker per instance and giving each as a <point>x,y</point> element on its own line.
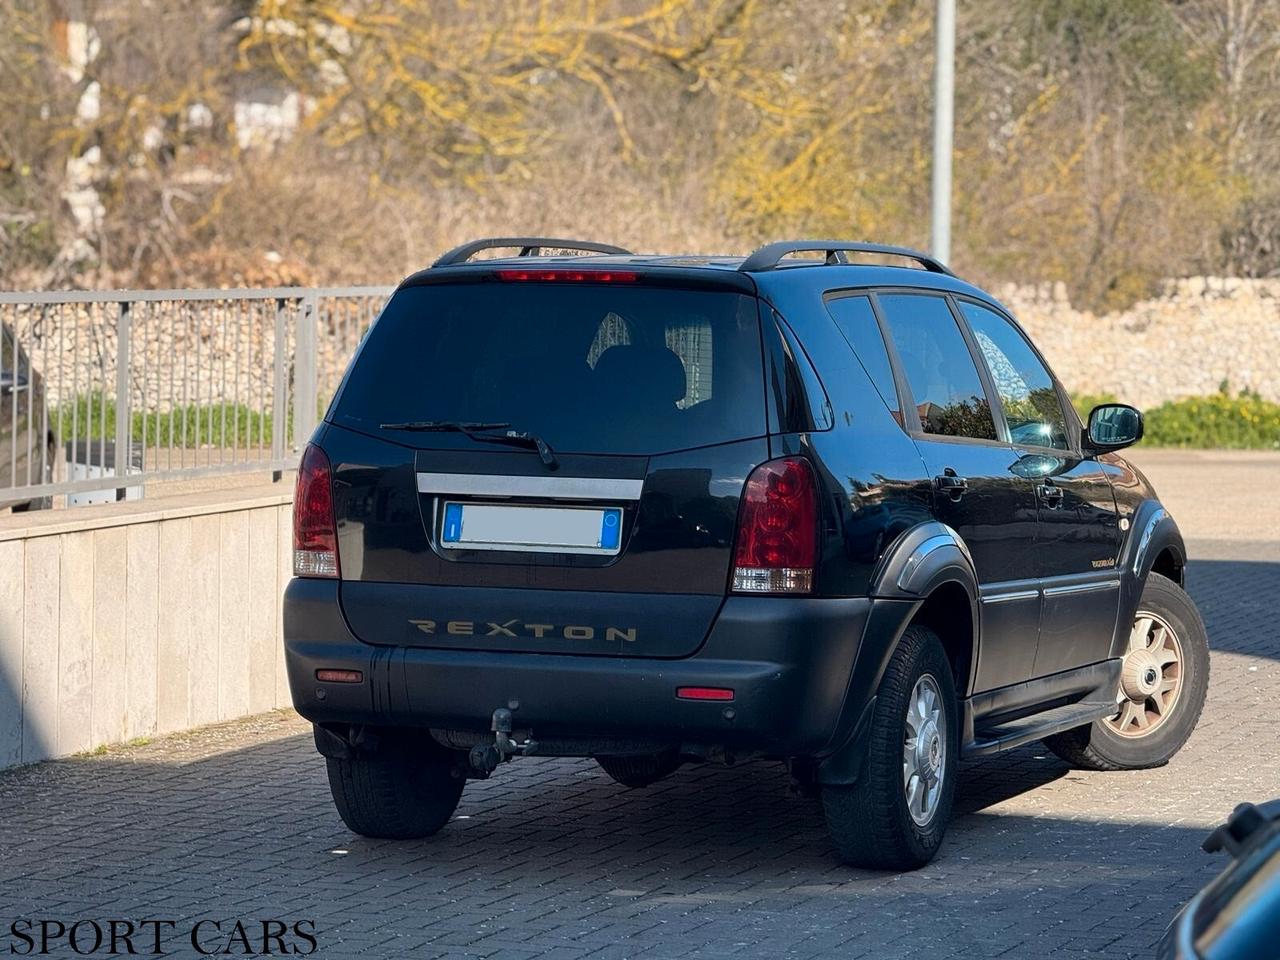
<point>340,676</point>
<point>704,693</point>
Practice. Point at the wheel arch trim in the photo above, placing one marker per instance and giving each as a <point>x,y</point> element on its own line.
<point>927,556</point>
<point>1153,530</point>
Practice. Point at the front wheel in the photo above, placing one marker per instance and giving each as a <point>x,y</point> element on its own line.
<point>1163,681</point>
<point>895,815</point>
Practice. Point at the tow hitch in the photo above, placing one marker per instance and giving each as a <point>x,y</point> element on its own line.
<point>485,757</point>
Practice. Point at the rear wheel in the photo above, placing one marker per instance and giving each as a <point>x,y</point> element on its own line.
<point>895,815</point>
<point>402,792</point>
<point>1163,682</point>
<point>642,770</point>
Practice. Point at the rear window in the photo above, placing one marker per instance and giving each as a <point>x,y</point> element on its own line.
<point>589,368</point>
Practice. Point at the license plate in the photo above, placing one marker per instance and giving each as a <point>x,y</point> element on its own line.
<point>489,526</point>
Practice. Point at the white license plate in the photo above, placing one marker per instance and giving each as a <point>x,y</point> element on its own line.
<point>490,526</point>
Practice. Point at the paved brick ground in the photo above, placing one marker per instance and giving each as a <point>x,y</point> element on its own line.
<point>553,860</point>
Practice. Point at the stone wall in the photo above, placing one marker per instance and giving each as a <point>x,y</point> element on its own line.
<point>1199,332</point>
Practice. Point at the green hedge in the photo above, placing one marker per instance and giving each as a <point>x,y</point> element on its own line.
<point>1241,422</point>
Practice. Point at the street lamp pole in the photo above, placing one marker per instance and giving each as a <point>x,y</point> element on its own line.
<point>943,128</point>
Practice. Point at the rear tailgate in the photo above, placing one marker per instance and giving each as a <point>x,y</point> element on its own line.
<point>652,398</point>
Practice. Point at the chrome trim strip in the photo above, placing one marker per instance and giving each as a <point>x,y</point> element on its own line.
<point>557,488</point>
<point>1144,542</point>
<point>1081,588</point>
<point>1011,595</point>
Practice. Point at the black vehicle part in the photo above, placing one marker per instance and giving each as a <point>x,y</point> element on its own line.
<point>484,758</point>
<point>1098,745</point>
<point>1248,825</point>
<point>1007,717</point>
<point>528,246</point>
<point>1154,534</point>
<point>1237,916</point>
<point>640,771</point>
<point>869,820</point>
<point>408,788</point>
<point>768,256</point>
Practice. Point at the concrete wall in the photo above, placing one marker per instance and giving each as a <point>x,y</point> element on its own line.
<point>141,618</point>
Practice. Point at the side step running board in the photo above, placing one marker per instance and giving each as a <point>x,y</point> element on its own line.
<point>1015,733</point>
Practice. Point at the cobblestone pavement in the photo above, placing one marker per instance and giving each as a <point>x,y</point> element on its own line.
<point>551,859</point>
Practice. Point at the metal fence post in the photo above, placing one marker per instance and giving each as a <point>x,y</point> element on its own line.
<point>305,373</point>
<point>124,420</point>
<point>279,401</point>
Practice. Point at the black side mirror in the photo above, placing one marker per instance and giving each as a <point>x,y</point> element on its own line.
<point>1113,426</point>
<point>9,382</point>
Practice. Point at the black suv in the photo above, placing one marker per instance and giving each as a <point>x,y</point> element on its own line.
<point>657,510</point>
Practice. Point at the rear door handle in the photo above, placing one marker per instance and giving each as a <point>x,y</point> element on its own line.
<point>953,486</point>
<point>1051,495</point>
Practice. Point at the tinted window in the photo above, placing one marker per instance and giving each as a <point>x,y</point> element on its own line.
<point>940,370</point>
<point>590,368</point>
<point>1026,390</point>
<point>854,317</point>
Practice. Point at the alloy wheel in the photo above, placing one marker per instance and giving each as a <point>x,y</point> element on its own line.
<point>1150,677</point>
<point>924,750</point>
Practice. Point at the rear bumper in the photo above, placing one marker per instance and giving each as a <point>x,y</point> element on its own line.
<point>788,661</point>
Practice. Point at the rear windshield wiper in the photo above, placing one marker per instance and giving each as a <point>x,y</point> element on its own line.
<point>480,432</point>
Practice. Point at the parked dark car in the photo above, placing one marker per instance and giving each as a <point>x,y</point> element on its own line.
<point>28,443</point>
<point>1237,917</point>
<point>657,510</point>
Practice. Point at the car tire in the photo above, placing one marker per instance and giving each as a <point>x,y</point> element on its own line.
<point>640,771</point>
<point>397,793</point>
<point>1132,742</point>
<point>870,821</point>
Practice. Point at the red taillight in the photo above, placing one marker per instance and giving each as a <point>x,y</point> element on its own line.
<point>315,536</point>
<point>571,276</point>
<point>777,529</point>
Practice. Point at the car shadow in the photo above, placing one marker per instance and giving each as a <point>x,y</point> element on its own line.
<point>1240,602</point>
<point>547,835</point>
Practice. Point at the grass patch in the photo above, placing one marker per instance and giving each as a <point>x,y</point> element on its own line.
<point>93,415</point>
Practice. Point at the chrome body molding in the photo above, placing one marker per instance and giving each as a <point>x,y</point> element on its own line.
<point>1010,596</point>
<point>1087,587</point>
<point>549,487</point>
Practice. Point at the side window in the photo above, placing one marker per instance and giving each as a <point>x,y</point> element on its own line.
<point>857,321</point>
<point>1030,401</point>
<point>940,370</point>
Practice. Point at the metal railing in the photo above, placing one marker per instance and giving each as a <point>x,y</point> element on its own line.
<point>114,390</point>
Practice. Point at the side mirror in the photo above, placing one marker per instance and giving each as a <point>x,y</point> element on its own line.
<point>9,382</point>
<point>1113,426</point>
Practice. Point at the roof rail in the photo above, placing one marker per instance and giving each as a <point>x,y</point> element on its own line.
<point>529,247</point>
<point>767,257</point>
